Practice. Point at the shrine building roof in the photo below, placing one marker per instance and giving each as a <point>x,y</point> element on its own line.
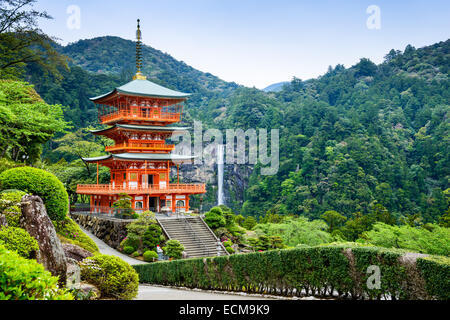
<point>143,88</point>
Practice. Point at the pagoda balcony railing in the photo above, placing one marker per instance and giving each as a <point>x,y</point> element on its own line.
<point>151,146</point>
<point>139,115</point>
<point>150,189</point>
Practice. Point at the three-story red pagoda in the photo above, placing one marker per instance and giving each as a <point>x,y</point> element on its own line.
<point>139,114</point>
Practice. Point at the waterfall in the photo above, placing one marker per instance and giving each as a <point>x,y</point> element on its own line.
<point>220,152</point>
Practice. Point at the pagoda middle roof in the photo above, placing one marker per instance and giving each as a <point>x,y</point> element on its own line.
<point>141,156</point>
<point>140,128</point>
<point>143,88</point>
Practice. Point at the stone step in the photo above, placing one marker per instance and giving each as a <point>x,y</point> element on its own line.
<point>194,235</point>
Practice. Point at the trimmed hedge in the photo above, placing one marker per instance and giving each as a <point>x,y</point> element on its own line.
<point>436,271</point>
<point>41,183</point>
<point>338,271</point>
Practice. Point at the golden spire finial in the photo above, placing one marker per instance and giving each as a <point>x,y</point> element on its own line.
<point>139,75</point>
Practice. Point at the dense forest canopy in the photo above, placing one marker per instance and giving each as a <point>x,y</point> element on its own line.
<point>353,140</point>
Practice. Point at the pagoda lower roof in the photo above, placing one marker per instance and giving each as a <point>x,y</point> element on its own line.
<point>141,157</point>
<point>139,128</point>
<point>142,88</point>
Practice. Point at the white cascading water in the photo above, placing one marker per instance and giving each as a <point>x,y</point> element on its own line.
<point>220,152</point>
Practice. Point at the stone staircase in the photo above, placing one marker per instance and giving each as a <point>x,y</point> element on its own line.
<point>194,234</point>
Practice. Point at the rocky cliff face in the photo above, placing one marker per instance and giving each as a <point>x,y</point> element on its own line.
<point>111,231</point>
<point>235,182</point>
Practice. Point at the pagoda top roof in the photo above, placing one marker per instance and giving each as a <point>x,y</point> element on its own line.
<point>141,156</point>
<point>140,128</point>
<point>143,88</point>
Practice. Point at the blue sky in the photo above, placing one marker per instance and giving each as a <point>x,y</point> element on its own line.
<point>258,42</point>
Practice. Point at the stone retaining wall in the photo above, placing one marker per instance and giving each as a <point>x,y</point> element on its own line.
<point>110,230</point>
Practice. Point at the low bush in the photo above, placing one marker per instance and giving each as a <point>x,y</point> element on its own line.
<point>135,254</point>
<point>128,249</point>
<point>131,240</point>
<point>327,270</point>
<point>150,256</point>
<point>19,240</point>
<point>227,243</point>
<point>24,279</point>
<point>10,206</point>
<point>41,183</point>
<point>111,275</point>
<point>229,250</point>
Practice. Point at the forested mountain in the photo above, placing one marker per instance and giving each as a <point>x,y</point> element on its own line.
<point>349,140</point>
<point>100,64</point>
<point>364,135</point>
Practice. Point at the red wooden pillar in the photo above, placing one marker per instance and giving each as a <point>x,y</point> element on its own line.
<point>174,203</point>
<point>187,203</point>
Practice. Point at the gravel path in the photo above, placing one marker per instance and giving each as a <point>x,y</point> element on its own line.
<point>150,292</point>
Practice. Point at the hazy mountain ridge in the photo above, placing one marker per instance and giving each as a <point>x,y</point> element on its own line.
<point>275,87</point>
<point>114,55</point>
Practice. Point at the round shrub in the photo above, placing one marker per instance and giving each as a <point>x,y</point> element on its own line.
<point>24,279</point>
<point>10,206</point>
<point>111,275</point>
<point>41,183</point>
<point>150,256</point>
<point>214,220</point>
<point>135,254</point>
<point>129,249</point>
<point>173,249</point>
<point>19,240</point>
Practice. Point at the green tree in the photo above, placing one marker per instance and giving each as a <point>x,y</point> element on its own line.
<point>333,218</point>
<point>173,249</point>
<point>75,144</point>
<point>249,223</point>
<point>21,137</point>
<point>123,205</point>
<point>152,237</point>
<point>22,42</point>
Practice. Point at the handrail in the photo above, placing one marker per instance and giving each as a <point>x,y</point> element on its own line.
<point>214,235</point>
<point>164,229</point>
<point>143,146</point>
<point>205,249</point>
<point>138,115</point>
<point>154,188</point>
